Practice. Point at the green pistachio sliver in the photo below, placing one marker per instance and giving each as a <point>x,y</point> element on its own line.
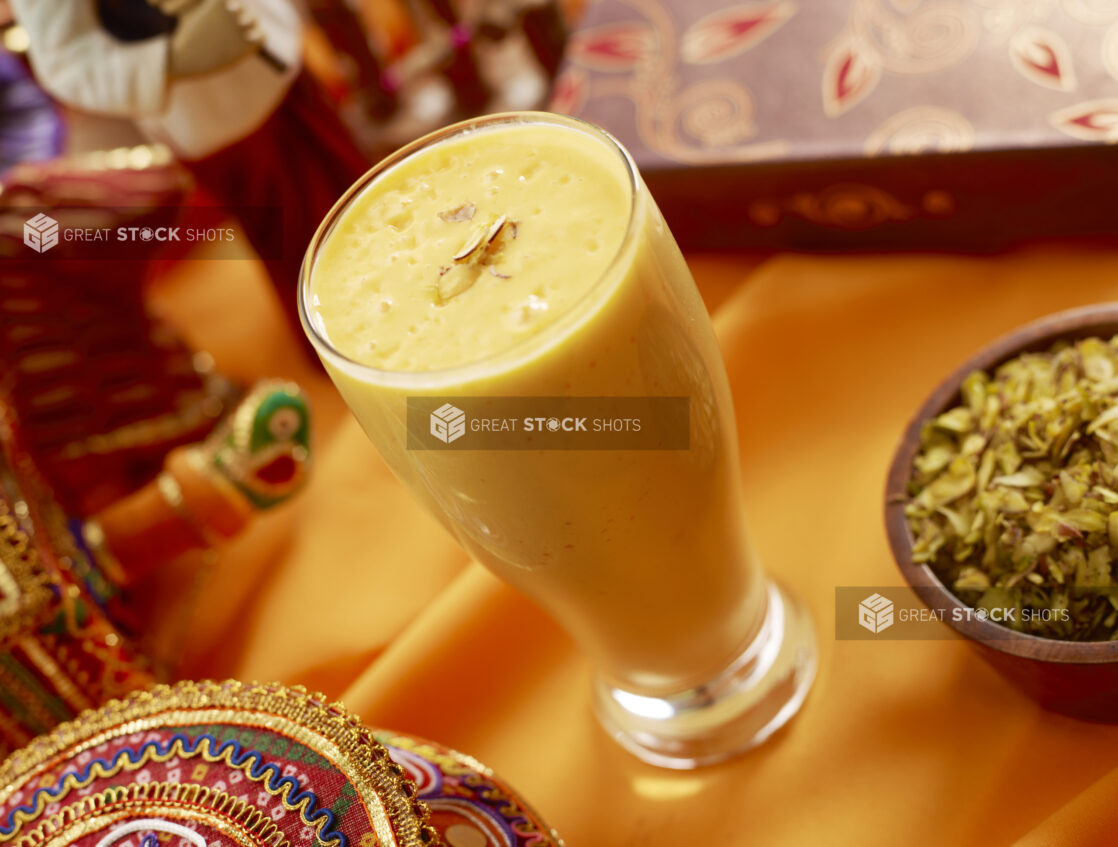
<point>1105,419</point>
<point>935,459</point>
<point>1027,477</point>
<point>1072,488</point>
<point>957,420</point>
<point>972,578</point>
<point>1107,494</point>
<point>954,482</point>
<point>974,392</point>
<point>1009,460</point>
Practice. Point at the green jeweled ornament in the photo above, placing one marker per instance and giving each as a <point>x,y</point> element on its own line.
<point>264,449</point>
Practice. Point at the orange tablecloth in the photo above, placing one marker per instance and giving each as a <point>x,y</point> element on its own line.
<point>354,591</point>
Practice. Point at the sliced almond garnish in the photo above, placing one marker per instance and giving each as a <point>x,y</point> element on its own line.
<point>465,212</point>
<point>472,243</point>
<point>476,253</point>
<point>495,229</point>
<point>456,280</point>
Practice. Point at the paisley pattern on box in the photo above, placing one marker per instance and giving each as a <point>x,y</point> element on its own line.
<point>700,83</point>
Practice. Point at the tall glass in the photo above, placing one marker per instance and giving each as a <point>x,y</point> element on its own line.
<point>642,555</point>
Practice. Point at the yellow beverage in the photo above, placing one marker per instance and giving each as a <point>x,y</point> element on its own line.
<point>582,291</point>
<point>390,292</point>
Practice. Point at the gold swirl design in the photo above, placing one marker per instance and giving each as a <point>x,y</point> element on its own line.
<point>922,129</point>
<point>844,206</point>
<point>716,112</point>
<point>126,764</point>
<point>399,820</point>
<point>852,207</point>
<point>707,123</point>
<point>917,37</point>
<point>235,818</point>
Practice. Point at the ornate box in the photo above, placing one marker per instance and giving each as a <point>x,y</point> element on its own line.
<point>859,123</point>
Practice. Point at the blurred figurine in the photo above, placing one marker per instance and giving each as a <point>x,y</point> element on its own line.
<point>207,493</point>
<point>197,75</point>
<point>218,82</point>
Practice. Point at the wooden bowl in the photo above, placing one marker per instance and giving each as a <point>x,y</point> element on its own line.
<point>1077,678</point>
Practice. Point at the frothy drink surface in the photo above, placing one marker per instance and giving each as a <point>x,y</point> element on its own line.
<point>467,247</point>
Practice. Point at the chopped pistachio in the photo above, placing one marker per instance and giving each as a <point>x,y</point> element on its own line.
<point>971,577</point>
<point>1025,478</point>
<point>957,480</point>
<point>1014,491</point>
<point>1073,489</point>
<point>957,420</point>
<point>974,392</point>
<point>1009,460</point>
<point>935,458</point>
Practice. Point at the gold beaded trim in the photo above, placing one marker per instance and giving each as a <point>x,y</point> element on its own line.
<point>399,819</point>
<point>24,585</point>
<point>198,409</point>
<point>235,818</point>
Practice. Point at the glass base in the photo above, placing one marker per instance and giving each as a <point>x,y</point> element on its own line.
<point>755,696</point>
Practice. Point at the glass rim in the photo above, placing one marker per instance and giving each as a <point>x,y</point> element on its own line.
<point>519,351</point>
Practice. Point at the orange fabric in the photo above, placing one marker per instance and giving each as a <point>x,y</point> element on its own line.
<point>355,591</point>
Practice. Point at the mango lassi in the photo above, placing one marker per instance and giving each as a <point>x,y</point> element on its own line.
<point>522,257</point>
<point>458,253</point>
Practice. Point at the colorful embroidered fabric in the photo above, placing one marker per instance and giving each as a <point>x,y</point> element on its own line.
<point>470,806</point>
<point>228,763</point>
<point>63,641</point>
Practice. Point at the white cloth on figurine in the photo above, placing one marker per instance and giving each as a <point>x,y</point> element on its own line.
<point>85,67</point>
